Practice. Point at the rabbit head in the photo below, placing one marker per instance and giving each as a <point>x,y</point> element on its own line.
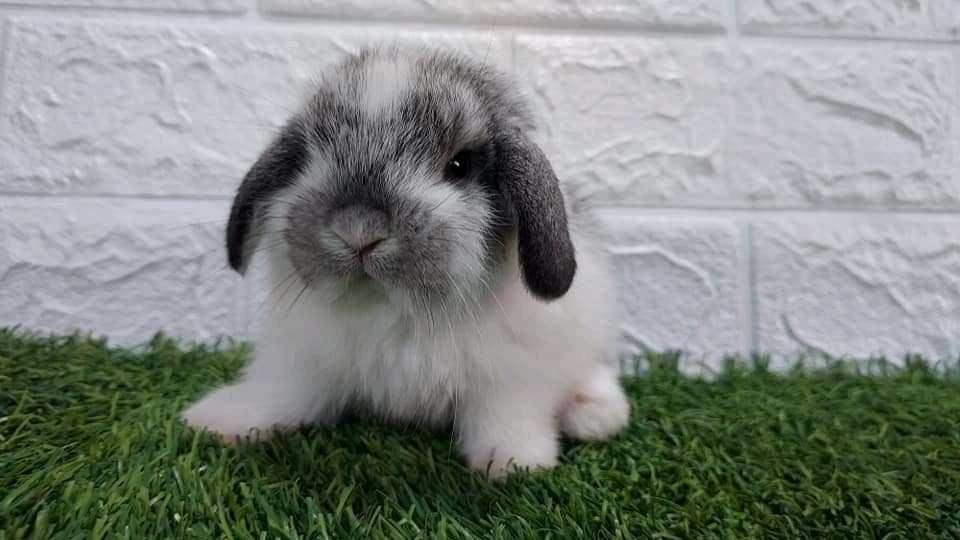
<point>408,175</point>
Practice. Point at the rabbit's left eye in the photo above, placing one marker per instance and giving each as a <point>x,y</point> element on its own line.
<point>460,166</point>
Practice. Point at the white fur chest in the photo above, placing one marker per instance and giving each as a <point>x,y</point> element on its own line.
<point>406,377</point>
<point>377,359</point>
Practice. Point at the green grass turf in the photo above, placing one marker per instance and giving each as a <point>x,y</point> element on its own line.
<point>90,448</point>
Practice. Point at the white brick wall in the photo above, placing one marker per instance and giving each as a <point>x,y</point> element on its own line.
<point>781,175</point>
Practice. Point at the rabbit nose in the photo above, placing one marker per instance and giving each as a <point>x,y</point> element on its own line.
<point>362,245</point>
<point>360,229</point>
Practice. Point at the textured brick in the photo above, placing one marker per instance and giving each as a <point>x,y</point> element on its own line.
<point>105,107</point>
<point>638,121</point>
<point>221,6</point>
<point>679,286</point>
<point>845,127</point>
<point>939,19</point>
<point>683,13</point>
<point>120,268</point>
<point>858,288</point>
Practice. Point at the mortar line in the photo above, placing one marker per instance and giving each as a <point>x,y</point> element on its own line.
<point>793,211</point>
<point>253,10</point>
<point>133,14</point>
<point>955,154</point>
<point>732,21</point>
<point>639,210</point>
<point>795,36</point>
<point>5,52</point>
<point>744,253</point>
<point>752,292</point>
<point>106,195</point>
<point>266,20</point>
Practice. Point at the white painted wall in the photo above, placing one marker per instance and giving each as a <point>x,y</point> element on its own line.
<point>780,175</point>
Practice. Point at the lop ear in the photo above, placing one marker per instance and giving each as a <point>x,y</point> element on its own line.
<point>530,187</point>
<point>276,168</point>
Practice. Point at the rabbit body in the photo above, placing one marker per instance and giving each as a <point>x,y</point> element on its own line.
<point>423,263</point>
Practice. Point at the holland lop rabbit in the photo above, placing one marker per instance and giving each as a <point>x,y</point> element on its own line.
<point>424,263</point>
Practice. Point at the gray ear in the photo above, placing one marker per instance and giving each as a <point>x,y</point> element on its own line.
<point>530,187</point>
<point>276,168</point>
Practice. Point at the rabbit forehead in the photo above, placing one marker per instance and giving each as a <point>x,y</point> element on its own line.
<point>389,111</point>
<point>415,88</point>
<point>383,83</point>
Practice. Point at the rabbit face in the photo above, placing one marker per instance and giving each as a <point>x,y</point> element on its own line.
<point>397,195</point>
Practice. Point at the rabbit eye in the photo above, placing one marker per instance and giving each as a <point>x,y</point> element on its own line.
<point>459,167</point>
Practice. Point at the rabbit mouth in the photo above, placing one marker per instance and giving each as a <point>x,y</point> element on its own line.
<point>391,265</point>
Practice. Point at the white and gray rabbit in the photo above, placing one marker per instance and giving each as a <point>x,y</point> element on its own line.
<point>425,264</point>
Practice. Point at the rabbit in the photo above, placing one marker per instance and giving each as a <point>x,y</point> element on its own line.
<point>425,264</point>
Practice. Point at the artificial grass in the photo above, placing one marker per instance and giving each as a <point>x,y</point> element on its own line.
<point>90,447</point>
